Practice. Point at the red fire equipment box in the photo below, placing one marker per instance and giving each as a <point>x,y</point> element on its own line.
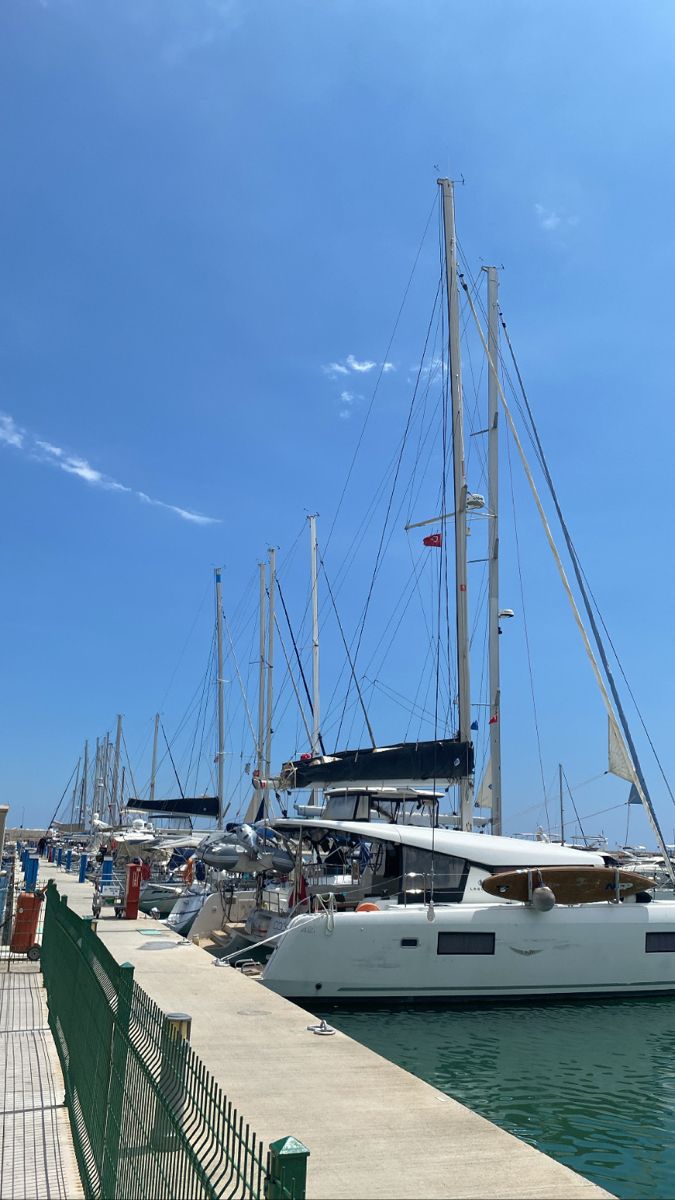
<point>133,891</point>
<point>24,934</point>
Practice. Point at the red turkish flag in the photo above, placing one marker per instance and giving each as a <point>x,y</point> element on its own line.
<point>434,539</point>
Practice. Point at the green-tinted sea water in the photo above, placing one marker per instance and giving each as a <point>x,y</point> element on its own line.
<point>592,1084</point>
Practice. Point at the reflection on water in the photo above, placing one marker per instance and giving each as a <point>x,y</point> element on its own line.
<point>592,1083</point>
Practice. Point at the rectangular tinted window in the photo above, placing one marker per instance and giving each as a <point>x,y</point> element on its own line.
<point>467,943</point>
<point>408,942</point>
<point>657,943</point>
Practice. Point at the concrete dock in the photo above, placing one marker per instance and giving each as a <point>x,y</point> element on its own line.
<point>37,1158</point>
<point>373,1129</point>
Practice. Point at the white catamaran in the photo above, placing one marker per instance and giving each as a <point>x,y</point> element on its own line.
<point>400,911</point>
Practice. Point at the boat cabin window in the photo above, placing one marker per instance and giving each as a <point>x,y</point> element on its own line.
<point>658,943</point>
<point>466,943</point>
<point>419,866</point>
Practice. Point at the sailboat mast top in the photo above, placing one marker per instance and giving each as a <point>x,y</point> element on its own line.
<point>221,695</point>
<point>460,494</point>
<point>493,549</point>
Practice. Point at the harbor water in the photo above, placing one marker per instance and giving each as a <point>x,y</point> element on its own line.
<point>590,1083</point>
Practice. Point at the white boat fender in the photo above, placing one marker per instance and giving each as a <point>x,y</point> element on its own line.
<point>543,899</point>
<point>322,1030</point>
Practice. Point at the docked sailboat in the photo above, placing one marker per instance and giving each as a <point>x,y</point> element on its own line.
<point>395,911</point>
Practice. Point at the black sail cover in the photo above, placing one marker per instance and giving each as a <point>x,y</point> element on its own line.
<point>446,759</point>
<point>185,806</point>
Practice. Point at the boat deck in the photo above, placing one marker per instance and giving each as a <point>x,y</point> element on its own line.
<point>372,1128</point>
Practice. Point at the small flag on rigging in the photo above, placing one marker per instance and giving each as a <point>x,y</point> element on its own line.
<point>493,720</point>
<point>433,539</point>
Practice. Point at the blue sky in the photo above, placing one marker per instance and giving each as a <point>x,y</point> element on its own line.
<point>208,202</point>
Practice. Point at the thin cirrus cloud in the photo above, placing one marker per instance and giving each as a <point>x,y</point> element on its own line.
<point>40,451</point>
<point>352,365</point>
<point>550,220</point>
<point>346,400</point>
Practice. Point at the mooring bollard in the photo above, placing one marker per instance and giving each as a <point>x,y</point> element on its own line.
<point>59,856</point>
<point>84,859</point>
<point>181,1022</point>
<point>288,1169</point>
<point>69,860</point>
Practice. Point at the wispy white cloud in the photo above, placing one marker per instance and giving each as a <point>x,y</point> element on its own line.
<point>550,220</point>
<point>361,367</point>
<point>347,400</point>
<point>333,369</point>
<point>10,434</point>
<point>354,365</point>
<point>73,464</point>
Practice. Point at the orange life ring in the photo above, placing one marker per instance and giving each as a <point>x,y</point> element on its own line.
<point>367,907</point>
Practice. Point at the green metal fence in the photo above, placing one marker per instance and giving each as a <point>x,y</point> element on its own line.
<point>149,1122</point>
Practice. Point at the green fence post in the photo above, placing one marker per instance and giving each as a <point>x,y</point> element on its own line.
<point>112,1138</point>
<point>288,1170</point>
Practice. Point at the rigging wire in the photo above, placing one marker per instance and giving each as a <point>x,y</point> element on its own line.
<point>299,660</point>
<point>180,789</point>
<point>526,631</point>
<point>63,793</point>
<point>381,373</point>
<point>349,657</point>
<point>378,556</point>
<point>569,792</point>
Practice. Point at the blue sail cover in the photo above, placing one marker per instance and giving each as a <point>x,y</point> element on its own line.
<point>444,760</point>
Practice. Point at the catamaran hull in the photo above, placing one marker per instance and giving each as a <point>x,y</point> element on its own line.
<point>477,952</point>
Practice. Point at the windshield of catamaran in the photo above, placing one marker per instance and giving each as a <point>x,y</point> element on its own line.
<point>427,875</point>
<point>370,868</point>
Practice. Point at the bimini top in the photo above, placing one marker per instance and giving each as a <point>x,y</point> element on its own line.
<point>483,848</point>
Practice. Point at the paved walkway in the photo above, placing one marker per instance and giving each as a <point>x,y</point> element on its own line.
<point>37,1159</point>
<point>373,1129</point>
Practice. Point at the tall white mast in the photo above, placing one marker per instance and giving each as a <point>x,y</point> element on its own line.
<point>493,550</point>
<point>105,755</point>
<point>261,681</point>
<point>460,496</point>
<point>116,771</point>
<point>221,697</point>
<point>83,793</point>
<point>74,795</point>
<point>270,671</point>
<point>316,711</point>
<point>153,769</point>
<point>562,804</point>
<point>97,803</point>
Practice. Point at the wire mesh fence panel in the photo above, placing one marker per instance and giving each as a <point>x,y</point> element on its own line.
<point>149,1121</point>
